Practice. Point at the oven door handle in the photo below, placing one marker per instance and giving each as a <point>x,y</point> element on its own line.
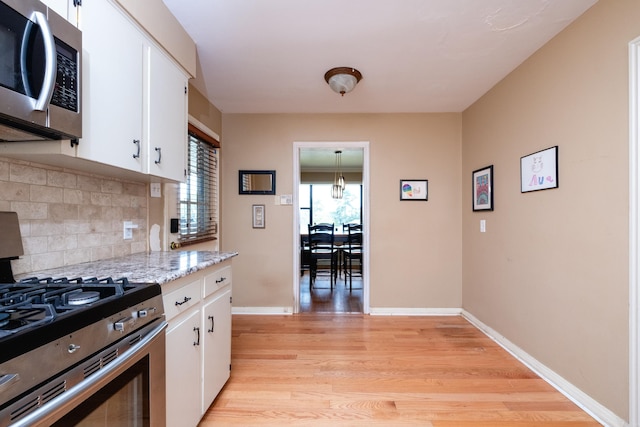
<point>49,414</point>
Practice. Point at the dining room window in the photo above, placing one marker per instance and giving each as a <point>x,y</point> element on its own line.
<point>198,195</point>
<point>317,206</point>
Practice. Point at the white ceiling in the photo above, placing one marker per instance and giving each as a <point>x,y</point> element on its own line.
<point>270,56</point>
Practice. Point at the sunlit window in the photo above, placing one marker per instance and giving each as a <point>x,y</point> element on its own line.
<point>198,198</point>
<point>317,205</point>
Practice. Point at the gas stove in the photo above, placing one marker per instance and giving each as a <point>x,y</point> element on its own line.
<point>36,310</point>
<point>51,326</point>
<point>62,340</point>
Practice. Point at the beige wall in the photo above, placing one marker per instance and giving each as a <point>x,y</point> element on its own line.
<point>551,272</point>
<point>202,110</point>
<point>418,267</point>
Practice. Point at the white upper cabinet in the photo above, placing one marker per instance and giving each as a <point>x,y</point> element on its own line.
<point>135,101</point>
<point>166,117</point>
<point>112,88</point>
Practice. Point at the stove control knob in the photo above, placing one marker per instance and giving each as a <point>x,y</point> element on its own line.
<point>122,324</point>
<point>147,311</point>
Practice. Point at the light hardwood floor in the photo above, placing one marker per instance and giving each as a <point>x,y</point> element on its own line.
<point>360,370</point>
<point>323,299</point>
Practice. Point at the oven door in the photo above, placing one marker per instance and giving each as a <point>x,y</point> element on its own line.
<point>129,392</point>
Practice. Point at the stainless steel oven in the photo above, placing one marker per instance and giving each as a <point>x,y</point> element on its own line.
<point>78,351</point>
<point>68,358</point>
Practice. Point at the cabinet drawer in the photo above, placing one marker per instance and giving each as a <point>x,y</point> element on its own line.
<point>182,299</point>
<point>217,280</point>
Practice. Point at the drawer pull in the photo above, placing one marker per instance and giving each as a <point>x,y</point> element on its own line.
<point>184,301</point>
<point>220,280</point>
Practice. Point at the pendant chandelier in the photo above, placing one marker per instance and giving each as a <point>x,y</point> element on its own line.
<point>339,184</point>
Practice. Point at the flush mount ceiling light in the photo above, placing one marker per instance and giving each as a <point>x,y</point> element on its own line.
<point>342,79</point>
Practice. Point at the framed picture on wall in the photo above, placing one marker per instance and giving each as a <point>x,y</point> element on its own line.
<point>483,189</point>
<point>539,171</point>
<point>258,216</point>
<point>414,189</point>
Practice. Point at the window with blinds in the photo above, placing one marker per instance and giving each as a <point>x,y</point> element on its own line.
<point>198,198</point>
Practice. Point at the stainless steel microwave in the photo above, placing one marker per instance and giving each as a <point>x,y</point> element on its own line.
<point>40,63</point>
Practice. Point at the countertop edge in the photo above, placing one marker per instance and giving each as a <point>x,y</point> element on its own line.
<point>143,267</point>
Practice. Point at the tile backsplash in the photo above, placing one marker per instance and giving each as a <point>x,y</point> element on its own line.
<point>69,217</point>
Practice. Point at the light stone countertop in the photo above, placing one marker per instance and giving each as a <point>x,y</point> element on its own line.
<point>151,267</point>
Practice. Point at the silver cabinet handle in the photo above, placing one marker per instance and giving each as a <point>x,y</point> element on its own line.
<point>159,151</point>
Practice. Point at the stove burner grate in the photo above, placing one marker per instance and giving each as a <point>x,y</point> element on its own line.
<point>83,297</point>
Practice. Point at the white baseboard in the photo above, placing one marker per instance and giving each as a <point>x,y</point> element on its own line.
<point>577,396</point>
<point>261,310</point>
<point>395,311</point>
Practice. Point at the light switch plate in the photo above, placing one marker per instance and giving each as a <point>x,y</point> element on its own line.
<point>286,199</point>
<point>156,189</point>
<point>483,226</point>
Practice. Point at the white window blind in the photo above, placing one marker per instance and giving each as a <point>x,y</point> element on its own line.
<point>198,198</point>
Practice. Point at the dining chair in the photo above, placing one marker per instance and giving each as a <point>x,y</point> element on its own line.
<point>353,252</point>
<point>322,248</point>
<point>304,254</point>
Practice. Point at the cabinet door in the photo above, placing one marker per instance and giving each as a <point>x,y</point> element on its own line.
<point>183,376</point>
<point>217,346</point>
<point>112,87</point>
<point>166,110</point>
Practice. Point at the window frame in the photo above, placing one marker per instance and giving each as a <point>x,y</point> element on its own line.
<point>203,201</point>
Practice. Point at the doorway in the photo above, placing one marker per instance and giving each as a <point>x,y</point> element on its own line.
<point>327,149</point>
<point>634,232</point>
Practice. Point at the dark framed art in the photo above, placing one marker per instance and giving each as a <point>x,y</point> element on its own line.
<point>257,182</point>
<point>539,170</point>
<point>482,180</point>
<point>414,189</point>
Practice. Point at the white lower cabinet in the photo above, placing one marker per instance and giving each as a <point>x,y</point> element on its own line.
<point>198,310</point>
<point>217,346</point>
<point>183,359</point>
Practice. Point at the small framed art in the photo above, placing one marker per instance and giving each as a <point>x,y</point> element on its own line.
<point>539,171</point>
<point>483,189</point>
<point>414,189</point>
<point>258,216</point>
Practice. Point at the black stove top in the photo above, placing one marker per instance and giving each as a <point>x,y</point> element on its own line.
<point>38,310</point>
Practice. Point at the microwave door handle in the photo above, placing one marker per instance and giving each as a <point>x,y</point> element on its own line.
<point>49,80</point>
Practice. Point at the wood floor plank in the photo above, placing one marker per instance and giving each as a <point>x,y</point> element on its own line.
<point>357,370</point>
